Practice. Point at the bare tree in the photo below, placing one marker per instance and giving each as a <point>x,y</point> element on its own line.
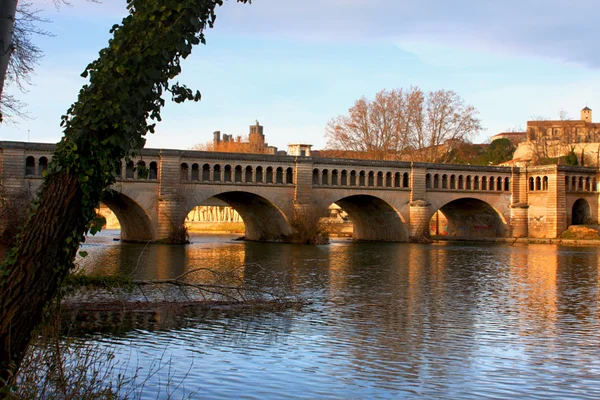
<point>8,12</point>
<point>206,146</point>
<point>552,139</point>
<point>447,123</point>
<point>405,124</point>
<point>19,22</point>
<point>378,128</point>
<point>537,135</point>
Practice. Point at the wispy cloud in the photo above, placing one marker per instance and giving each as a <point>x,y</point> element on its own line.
<point>294,65</point>
<point>557,29</point>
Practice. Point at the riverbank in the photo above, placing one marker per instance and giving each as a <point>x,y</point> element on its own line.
<point>569,242</point>
<point>332,229</point>
<point>575,235</point>
<point>215,227</point>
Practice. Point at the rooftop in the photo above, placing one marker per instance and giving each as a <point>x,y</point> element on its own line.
<point>511,133</point>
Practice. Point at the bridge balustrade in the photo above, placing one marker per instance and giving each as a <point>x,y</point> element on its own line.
<point>132,170</point>
<point>33,169</point>
<point>238,174</point>
<point>538,183</point>
<point>461,182</point>
<point>580,184</point>
<point>227,173</point>
<point>322,177</point>
<point>137,171</point>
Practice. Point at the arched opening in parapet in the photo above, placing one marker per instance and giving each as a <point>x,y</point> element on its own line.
<point>581,213</point>
<point>131,219</point>
<point>240,212</point>
<point>372,219</point>
<point>42,165</point>
<point>29,166</point>
<point>468,218</point>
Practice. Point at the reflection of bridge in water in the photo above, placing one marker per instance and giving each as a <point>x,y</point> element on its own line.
<point>385,200</point>
<point>542,277</point>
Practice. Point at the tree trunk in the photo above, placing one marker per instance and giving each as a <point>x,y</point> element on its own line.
<point>8,9</point>
<point>26,288</point>
<point>106,124</point>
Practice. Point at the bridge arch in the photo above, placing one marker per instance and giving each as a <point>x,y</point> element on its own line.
<point>581,212</point>
<point>374,218</point>
<point>136,224</point>
<point>263,219</point>
<point>468,217</point>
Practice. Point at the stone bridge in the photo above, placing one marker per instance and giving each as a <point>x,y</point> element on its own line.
<point>385,200</point>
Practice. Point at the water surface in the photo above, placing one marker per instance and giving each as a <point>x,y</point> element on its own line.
<point>387,320</point>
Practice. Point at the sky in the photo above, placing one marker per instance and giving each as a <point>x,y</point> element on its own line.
<point>295,65</point>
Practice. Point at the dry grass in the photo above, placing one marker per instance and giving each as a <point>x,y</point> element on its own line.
<point>57,367</point>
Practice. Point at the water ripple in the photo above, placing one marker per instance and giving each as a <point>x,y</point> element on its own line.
<point>387,321</point>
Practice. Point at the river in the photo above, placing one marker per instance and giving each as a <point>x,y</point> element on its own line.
<point>386,320</point>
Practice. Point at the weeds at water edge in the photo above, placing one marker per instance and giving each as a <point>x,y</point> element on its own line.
<point>60,368</point>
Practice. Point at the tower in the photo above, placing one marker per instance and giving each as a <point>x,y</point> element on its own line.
<point>216,139</point>
<point>256,132</point>
<point>586,114</point>
<point>256,138</point>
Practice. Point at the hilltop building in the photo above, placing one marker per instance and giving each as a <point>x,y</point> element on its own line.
<point>255,144</point>
<point>565,131</point>
<point>557,138</point>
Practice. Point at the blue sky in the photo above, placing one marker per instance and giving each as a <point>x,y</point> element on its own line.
<point>294,65</point>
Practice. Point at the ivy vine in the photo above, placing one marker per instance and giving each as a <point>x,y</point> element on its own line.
<point>124,96</point>
<point>114,111</point>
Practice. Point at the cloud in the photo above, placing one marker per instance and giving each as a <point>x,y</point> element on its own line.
<point>556,29</point>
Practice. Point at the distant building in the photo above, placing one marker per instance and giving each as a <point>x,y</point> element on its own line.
<point>553,139</point>
<point>565,131</point>
<point>582,130</point>
<point>255,144</point>
<point>302,150</point>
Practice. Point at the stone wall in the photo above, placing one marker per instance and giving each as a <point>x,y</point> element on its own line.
<point>590,151</point>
